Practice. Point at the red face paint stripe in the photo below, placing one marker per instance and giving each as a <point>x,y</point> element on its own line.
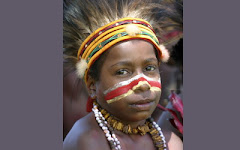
<point>124,89</point>
<point>155,84</point>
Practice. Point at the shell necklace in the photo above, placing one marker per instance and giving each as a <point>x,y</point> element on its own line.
<point>151,127</point>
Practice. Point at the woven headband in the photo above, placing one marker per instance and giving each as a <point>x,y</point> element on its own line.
<point>107,36</point>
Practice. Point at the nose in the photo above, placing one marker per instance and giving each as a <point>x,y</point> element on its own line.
<point>141,87</point>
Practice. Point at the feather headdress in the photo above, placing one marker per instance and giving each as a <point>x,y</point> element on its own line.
<point>83,17</point>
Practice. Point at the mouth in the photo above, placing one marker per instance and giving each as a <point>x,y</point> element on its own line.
<point>142,105</point>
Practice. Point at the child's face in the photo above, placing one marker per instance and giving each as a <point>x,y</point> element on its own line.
<point>124,62</point>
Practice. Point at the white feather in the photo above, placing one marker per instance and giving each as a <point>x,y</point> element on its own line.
<point>132,29</point>
<point>81,67</point>
<point>165,54</point>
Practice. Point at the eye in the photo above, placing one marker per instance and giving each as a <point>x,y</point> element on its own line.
<point>122,72</point>
<point>150,68</point>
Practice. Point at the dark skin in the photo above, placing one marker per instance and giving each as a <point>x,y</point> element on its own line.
<point>124,61</point>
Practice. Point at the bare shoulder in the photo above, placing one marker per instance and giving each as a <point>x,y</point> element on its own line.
<point>175,143</point>
<point>172,140</point>
<point>85,135</point>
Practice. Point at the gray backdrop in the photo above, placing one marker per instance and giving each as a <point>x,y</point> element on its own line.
<point>31,75</point>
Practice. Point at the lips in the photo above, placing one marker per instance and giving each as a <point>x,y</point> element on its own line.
<point>142,105</point>
<point>142,102</point>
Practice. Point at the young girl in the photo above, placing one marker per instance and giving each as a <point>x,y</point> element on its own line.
<point>117,53</point>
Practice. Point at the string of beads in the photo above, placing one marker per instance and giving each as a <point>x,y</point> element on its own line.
<point>109,125</point>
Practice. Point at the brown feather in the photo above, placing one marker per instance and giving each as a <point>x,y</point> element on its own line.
<point>82,17</point>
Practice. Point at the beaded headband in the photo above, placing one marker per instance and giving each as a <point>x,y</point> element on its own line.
<point>105,37</point>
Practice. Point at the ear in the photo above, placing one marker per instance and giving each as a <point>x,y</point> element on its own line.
<point>91,86</point>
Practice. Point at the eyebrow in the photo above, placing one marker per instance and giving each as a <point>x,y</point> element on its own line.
<point>151,60</point>
<point>128,63</point>
<point>122,63</point>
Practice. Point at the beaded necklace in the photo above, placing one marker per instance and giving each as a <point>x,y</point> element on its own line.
<point>150,127</point>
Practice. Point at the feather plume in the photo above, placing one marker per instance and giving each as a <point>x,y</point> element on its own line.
<point>165,54</point>
<point>81,68</point>
<point>132,29</point>
<point>82,17</point>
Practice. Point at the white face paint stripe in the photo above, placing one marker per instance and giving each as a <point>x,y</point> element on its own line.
<point>153,89</point>
<point>129,81</point>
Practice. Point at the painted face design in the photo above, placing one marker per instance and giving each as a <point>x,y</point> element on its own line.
<point>126,88</point>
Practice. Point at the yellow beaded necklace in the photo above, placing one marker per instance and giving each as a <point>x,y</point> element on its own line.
<point>150,127</point>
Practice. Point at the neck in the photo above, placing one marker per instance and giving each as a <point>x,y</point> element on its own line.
<point>138,127</point>
<point>150,127</point>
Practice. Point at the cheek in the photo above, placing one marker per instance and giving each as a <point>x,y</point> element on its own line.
<point>100,88</point>
<point>99,92</point>
<point>158,95</point>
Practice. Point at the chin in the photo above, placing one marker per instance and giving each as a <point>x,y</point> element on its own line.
<point>139,116</point>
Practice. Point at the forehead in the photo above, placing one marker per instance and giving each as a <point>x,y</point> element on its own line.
<point>131,50</point>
